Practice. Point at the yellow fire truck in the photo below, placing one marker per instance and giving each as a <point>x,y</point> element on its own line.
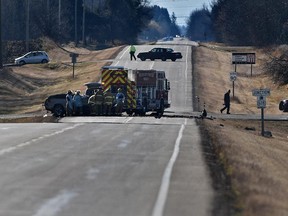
<point>144,90</point>
<point>113,78</point>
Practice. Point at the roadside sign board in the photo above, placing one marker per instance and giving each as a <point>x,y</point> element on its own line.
<point>233,76</point>
<point>261,92</point>
<point>243,58</point>
<point>261,102</point>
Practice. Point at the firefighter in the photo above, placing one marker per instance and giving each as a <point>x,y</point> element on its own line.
<point>91,103</point>
<point>120,98</point>
<point>69,103</point>
<point>96,102</point>
<point>108,102</point>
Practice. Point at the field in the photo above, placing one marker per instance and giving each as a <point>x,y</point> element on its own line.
<point>256,166</point>
<point>24,89</point>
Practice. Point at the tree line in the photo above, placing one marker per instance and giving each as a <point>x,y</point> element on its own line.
<point>245,22</point>
<point>262,23</point>
<point>88,21</point>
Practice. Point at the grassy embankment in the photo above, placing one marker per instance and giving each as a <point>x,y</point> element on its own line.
<point>255,166</point>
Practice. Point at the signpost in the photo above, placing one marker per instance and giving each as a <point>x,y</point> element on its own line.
<point>261,95</point>
<point>74,60</point>
<point>233,77</point>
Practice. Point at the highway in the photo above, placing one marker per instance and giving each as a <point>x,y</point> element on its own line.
<point>110,166</point>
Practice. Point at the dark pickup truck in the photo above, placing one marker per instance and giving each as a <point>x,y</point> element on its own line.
<point>56,104</point>
<point>160,53</point>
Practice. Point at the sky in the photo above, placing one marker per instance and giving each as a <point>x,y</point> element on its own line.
<point>181,8</point>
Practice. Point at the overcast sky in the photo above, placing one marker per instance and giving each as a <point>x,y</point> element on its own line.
<point>181,8</point>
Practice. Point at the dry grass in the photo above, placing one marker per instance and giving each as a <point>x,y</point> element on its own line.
<point>24,89</point>
<point>256,165</point>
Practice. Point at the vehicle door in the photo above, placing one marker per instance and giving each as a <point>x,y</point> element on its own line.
<point>38,57</point>
<point>29,58</point>
<point>153,53</point>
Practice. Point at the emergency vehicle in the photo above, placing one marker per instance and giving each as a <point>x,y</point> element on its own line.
<point>152,91</point>
<point>114,78</point>
<point>144,90</point>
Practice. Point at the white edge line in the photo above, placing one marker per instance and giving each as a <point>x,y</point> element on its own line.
<point>163,192</point>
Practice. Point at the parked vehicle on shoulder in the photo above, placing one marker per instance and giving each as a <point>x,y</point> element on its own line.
<point>283,105</point>
<point>160,53</point>
<point>33,57</point>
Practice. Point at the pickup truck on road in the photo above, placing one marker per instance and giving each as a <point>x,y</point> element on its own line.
<point>56,104</point>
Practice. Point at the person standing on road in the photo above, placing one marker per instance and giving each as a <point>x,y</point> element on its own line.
<point>120,98</point>
<point>132,52</point>
<point>77,99</point>
<point>91,102</point>
<point>108,102</point>
<point>226,102</point>
<point>99,101</point>
<point>69,103</point>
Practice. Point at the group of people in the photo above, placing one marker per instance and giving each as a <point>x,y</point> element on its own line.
<point>100,103</point>
<point>73,103</point>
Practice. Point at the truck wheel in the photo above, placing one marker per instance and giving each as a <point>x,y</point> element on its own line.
<point>173,59</point>
<point>163,59</point>
<point>129,112</point>
<point>143,59</point>
<point>58,110</point>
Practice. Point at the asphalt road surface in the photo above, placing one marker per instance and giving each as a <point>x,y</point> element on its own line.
<point>110,166</point>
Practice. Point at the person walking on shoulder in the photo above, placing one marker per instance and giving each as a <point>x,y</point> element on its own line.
<point>226,102</point>
<point>132,52</point>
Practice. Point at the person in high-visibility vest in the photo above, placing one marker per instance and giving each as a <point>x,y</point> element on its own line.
<point>132,52</point>
<point>108,102</point>
<point>96,102</point>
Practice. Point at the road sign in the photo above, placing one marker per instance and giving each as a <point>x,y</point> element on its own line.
<point>261,102</point>
<point>243,58</point>
<point>261,92</point>
<point>233,76</point>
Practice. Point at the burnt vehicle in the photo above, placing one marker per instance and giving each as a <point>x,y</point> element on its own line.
<point>283,105</point>
<point>160,53</point>
<point>56,104</point>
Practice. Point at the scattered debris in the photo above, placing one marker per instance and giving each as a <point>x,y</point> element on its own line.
<point>250,128</point>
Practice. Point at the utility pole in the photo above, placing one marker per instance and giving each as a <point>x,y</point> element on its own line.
<point>1,62</point>
<point>76,36</point>
<point>83,24</point>
<point>59,14</point>
<point>27,24</point>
